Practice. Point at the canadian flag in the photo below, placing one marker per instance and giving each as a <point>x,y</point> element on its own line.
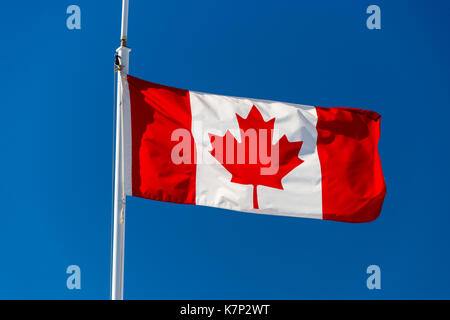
<point>251,155</point>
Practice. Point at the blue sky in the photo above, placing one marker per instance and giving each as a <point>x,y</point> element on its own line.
<point>57,127</point>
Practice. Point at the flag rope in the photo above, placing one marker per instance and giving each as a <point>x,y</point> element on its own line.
<point>112,176</point>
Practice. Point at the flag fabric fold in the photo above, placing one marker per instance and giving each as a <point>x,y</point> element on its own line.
<point>251,155</point>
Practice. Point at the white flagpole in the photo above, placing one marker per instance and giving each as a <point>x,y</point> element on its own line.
<point>119,192</point>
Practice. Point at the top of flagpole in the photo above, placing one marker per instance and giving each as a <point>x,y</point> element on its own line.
<point>123,36</point>
<point>123,51</point>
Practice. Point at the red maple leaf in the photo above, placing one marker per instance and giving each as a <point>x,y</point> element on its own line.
<point>255,160</point>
